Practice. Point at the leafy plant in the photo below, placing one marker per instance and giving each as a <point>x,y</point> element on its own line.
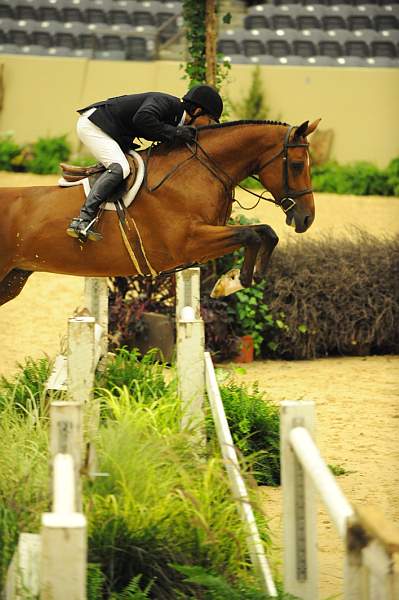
<point>253,105</point>
<point>9,149</point>
<point>47,154</point>
<point>361,178</point>
<point>26,389</point>
<point>254,424</point>
<point>393,176</point>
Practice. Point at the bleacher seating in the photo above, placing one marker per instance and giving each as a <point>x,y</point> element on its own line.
<point>317,32</point>
<point>103,29</point>
<point>292,32</point>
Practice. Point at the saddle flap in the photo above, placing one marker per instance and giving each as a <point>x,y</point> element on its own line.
<point>76,172</point>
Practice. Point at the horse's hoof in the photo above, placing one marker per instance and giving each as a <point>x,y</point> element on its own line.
<point>227,284</point>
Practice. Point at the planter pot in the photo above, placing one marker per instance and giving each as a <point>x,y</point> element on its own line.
<point>246,354</point>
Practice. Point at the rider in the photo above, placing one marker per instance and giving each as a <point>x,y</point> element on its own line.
<point>108,128</point>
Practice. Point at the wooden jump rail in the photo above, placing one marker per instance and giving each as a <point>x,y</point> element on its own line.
<point>369,540</point>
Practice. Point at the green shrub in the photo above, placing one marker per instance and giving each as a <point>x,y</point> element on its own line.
<point>8,151</point>
<point>361,179</point>
<point>47,154</point>
<point>255,427</point>
<point>393,176</point>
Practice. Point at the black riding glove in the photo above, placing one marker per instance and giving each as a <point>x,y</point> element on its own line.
<point>185,133</point>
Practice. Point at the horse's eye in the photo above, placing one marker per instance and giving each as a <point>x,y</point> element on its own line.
<point>297,166</point>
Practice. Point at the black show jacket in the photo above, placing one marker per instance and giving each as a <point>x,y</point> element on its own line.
<point>153,116</point>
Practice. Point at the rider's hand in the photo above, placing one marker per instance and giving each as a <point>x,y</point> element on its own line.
<point>185,133</point>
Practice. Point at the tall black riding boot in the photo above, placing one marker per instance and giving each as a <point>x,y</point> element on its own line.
<point>81,227</point>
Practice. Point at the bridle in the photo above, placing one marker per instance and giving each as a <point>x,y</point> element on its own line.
<point>286,203</point>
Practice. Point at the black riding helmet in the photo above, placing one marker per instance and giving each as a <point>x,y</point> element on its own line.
<point>207,98</point>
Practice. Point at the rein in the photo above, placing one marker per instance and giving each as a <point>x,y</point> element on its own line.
<point>286,203</point>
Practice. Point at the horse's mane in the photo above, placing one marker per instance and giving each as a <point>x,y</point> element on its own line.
<point>241,122</point>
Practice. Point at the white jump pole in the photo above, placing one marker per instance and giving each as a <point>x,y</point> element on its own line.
<point>96,301</point>
<point>190,344</point>
<point>66,436</point>
<point>301,575</point>
<point>81,358</point>
<point>237,482</point>
<point>63,539</point>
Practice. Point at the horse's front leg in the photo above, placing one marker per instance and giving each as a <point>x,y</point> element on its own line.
<point>210,242</point>
<point>269,242</point>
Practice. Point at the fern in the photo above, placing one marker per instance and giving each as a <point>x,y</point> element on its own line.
<point>133,591</point>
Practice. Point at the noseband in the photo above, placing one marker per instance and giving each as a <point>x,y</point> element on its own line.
<point>287,201</point>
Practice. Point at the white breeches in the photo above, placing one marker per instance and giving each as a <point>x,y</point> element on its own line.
<point>101,145</point>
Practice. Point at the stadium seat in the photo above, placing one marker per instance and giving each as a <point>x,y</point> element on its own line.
<point>96,15</point>
<point>73,14</point>
<point>333,22</point>
<point>253,42</point>
<point>65,40</point>
<point>42,38</point>
<point>19,37</point>
<point>145,13</point>
<point>25,10</point>
<point>229,42</point>
<point>117,16</point>
<point>6,11</point>
<point>357,48</point>
<point>308,22</point>
<point>112,42</point>
<point>330,48</point>
<point>382,22</point>
<point>140,44</point>
<point>304,48</point>
<point>256,22</point>
<point>278,48</point>
<point>282,21</point>
<point>383,48</point>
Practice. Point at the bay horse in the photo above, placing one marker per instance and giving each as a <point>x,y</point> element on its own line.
<point>181,212</point>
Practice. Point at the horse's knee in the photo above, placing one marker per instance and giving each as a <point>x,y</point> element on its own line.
<point>248,237</point>
<point>268,234</point>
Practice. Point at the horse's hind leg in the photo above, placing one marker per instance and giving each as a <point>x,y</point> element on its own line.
<point>12,284</point>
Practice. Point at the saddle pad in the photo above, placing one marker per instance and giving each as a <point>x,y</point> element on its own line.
<point>128,197</point>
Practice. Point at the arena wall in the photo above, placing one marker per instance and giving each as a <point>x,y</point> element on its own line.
<point>41,94</point>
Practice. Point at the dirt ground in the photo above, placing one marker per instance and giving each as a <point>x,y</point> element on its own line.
<point>357,399</point>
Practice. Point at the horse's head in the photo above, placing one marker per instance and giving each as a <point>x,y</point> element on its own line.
<point>289,179</point>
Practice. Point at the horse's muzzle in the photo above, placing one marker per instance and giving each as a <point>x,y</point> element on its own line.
<point>299,219</point>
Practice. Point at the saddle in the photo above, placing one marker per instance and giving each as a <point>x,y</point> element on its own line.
<point>74,173</point>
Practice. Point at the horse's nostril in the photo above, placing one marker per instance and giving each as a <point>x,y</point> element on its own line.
<point>307,221</point>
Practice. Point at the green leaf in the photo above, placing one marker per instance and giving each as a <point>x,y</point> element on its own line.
<point>302,328</point>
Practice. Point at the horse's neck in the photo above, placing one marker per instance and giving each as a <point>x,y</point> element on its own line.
<point>237,148</point>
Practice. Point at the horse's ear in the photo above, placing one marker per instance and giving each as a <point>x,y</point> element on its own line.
<point>306,129</point>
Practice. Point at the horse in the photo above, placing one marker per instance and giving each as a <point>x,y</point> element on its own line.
<point>180,212</point>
